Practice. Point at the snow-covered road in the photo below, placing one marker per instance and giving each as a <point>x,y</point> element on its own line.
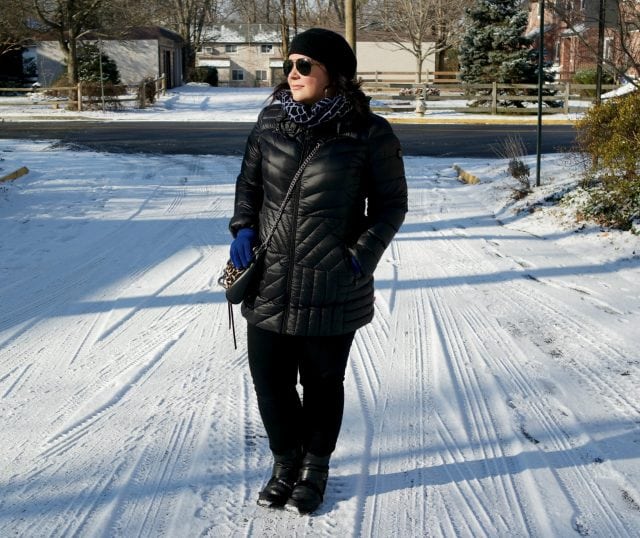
<point>494,394</point>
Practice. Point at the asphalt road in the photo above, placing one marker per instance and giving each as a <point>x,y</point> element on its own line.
<point>221,138</point>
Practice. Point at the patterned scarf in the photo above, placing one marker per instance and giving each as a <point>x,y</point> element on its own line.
<point>324,110</point>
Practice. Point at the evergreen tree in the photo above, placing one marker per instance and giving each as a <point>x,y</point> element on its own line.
<point>89,65</point>
<point>494,48</point>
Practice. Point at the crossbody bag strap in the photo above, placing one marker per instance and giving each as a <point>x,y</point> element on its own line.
<point>287,197</point>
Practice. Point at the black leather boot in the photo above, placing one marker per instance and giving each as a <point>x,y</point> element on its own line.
<point>283,477</point>
<point>308,492</point>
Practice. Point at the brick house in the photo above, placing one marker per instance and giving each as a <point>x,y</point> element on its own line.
<point>571,46</point>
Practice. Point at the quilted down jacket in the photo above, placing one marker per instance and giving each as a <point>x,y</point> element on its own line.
<point>349,202</point>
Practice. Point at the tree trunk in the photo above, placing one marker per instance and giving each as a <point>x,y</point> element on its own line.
<point>284,29</point>
<point>350,22</point>
<point>72,57</point>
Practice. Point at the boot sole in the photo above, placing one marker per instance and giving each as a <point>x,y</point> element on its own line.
<point>269,504</point>
<point>296,510</point>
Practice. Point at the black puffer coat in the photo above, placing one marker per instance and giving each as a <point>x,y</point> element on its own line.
<point>350,201</point>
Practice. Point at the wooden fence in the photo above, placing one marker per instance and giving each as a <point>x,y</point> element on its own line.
<point>78,95</point>
<point>494,98</point>
<point>409,77</point>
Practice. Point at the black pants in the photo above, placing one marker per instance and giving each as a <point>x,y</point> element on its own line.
<point>275,361</point>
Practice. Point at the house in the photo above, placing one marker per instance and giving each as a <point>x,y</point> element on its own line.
<point>243,54</point>
<point>251,55</point>
<point>139,53</point>
<point>571,35</point>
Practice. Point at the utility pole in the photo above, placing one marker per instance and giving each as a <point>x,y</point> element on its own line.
<point>350,23</point>
<point>540,87</point>
<point>601,21</point>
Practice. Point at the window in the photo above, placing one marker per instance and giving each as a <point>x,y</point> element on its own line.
<point>261,74</point>
<point>237,74</point>
<point>232,49</point>
<point>266,49</point>
<point>207,50</point>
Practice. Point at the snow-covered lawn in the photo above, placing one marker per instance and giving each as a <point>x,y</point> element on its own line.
<point>200,102</point>
<point>494,394</point>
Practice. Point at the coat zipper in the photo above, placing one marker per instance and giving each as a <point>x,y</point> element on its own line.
<point>294,226</point>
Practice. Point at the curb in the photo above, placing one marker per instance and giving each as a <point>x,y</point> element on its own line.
<point>18,118</point>
<point>481,121</point>
<point>465,176</point>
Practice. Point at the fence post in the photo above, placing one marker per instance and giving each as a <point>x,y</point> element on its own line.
<point>566,97</point>
<point>142,95</point>
<point>494,98</point>
<point>79,96</point>
<point>164,84</point>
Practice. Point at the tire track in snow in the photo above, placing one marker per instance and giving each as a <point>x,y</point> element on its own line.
<point>148,298</point>
<point>155,467</point>
<point>21,378</point>
<point>223,503</point>
<point>570,467</point>
<point>453,391</point>
<point>147,437</point>
<point>466,261</point>
<point>369,343</point>
<point>400,419</point>
<point>59,443</point>
<point>579,333</point>
<point>478,437</point>
<point>535,300</point>
<point>131,357</point>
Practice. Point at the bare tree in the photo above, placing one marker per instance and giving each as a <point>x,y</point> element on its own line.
<point>412,24</point>
<point>69,20</point>
<point>190,18</point>
<point>14,31</point>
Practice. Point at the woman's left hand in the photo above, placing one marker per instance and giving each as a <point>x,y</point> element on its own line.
<point>241,251</point>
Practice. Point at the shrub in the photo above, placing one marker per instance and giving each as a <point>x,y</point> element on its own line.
<point>204,74</point>
<point>513,149</point>
<point>148,90</point>
<point>616,208</point>
<point>93,93</point>
<point>610,135</point>
<point>588,76</point>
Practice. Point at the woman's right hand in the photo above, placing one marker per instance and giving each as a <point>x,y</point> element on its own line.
<point>241,251</point>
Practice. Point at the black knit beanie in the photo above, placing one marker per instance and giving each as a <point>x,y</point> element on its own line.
<point>326,47</point>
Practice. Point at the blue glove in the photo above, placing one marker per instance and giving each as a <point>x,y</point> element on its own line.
<point>241,251</point>
<point>355,265</point>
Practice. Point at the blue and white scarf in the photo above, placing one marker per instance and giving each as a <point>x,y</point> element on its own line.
<point>324,110</point>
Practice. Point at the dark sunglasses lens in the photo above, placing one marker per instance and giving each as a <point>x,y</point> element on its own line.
<point>303,66</point>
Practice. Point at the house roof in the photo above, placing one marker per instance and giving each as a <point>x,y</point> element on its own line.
<point>243,33</point>
<point>151,32</point>
<point>137,33</point>
<point>232,33</point>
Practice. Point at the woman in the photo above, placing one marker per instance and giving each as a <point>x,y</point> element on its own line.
<point>316,286</point>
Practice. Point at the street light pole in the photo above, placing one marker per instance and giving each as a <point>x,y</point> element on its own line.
<point>540,86</point>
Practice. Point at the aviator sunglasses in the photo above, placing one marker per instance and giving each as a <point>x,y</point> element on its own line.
<point>303,66</point>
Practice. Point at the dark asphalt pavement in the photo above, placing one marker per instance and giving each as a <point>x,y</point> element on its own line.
<point>225,138</point>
